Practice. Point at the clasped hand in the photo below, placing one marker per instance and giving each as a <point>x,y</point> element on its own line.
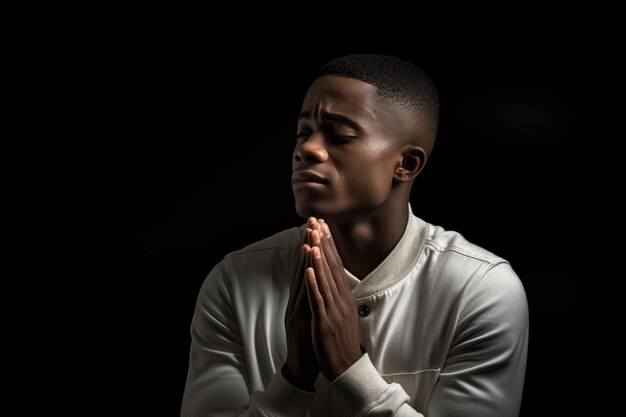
<point>321,320</point>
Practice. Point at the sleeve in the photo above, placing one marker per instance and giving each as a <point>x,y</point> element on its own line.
<point>483,375</point>
<point>362,391</point>
<point>217,383</point>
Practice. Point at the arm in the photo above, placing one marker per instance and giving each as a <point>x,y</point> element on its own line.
<point>217,382</point>
<point>484,372</point>
<point>358,388</point>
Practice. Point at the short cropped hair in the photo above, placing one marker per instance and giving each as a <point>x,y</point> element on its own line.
<point>398,80</point>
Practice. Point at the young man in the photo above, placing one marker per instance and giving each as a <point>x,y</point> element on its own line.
<point>366,310</point>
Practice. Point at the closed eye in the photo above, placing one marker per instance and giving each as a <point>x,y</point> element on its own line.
<point>335,137</point>
<point>301,135</point>
<point>343,138</point>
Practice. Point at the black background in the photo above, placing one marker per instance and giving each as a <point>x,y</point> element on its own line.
<point>198,164</point>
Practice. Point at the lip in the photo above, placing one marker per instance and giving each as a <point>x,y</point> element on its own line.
<point>307,179</point>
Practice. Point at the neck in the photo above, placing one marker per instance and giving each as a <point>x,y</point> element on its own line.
<point>366,240</point>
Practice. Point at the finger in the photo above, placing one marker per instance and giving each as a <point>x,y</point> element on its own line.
<point>316,224</point>
<point>315,237</point>
<point>321,276</point>
<point>334,260</point>
<point>329,273</point>
<point>325,228</point>
<point>315,298</point>
<point>331,242</point>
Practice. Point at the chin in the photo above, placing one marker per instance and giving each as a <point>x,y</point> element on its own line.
<point>306,209</point>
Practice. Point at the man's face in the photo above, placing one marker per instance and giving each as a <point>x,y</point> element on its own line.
<point>345,157</point>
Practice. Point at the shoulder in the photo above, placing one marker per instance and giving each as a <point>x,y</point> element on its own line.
<point>488,291</point>
<point>470,268</point>
<point>455,244</point>
<point>258,261</point>
<point>284,240</point>
<point>246,272</point>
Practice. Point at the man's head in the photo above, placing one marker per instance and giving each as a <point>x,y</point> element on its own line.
<point>366,128</point>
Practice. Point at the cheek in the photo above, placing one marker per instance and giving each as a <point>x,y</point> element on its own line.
<point>371,177</point>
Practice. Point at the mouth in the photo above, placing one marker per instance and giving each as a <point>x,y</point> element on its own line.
<point>307,180</point>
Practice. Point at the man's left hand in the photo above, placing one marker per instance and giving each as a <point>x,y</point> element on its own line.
<point>335,323</point>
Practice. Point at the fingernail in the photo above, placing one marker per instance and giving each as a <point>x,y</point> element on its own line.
<point>326,229</point>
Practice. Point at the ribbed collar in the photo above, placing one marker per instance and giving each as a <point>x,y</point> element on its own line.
<point>397,264</point>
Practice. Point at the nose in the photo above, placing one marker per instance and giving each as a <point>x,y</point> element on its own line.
<point>312,149</point>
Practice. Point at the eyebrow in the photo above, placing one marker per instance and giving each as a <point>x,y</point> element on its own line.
<point>332,117</point>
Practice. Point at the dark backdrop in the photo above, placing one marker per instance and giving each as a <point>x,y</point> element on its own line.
<point>198,164</point>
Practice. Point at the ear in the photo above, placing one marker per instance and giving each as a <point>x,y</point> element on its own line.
<point>413,160</point>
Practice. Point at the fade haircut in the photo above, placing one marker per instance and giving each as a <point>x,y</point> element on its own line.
<point>399,81</point>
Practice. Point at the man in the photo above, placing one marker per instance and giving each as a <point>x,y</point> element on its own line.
<point>366,310</point>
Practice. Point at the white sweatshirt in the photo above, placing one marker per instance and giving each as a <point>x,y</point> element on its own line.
<point>444,324</point>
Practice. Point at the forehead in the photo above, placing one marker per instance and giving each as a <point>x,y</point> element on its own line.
<point>335,94</point>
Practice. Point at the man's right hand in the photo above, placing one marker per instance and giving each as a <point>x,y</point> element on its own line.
<point>301,368</point>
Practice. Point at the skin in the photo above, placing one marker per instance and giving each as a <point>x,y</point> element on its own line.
<point>355,160</point>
